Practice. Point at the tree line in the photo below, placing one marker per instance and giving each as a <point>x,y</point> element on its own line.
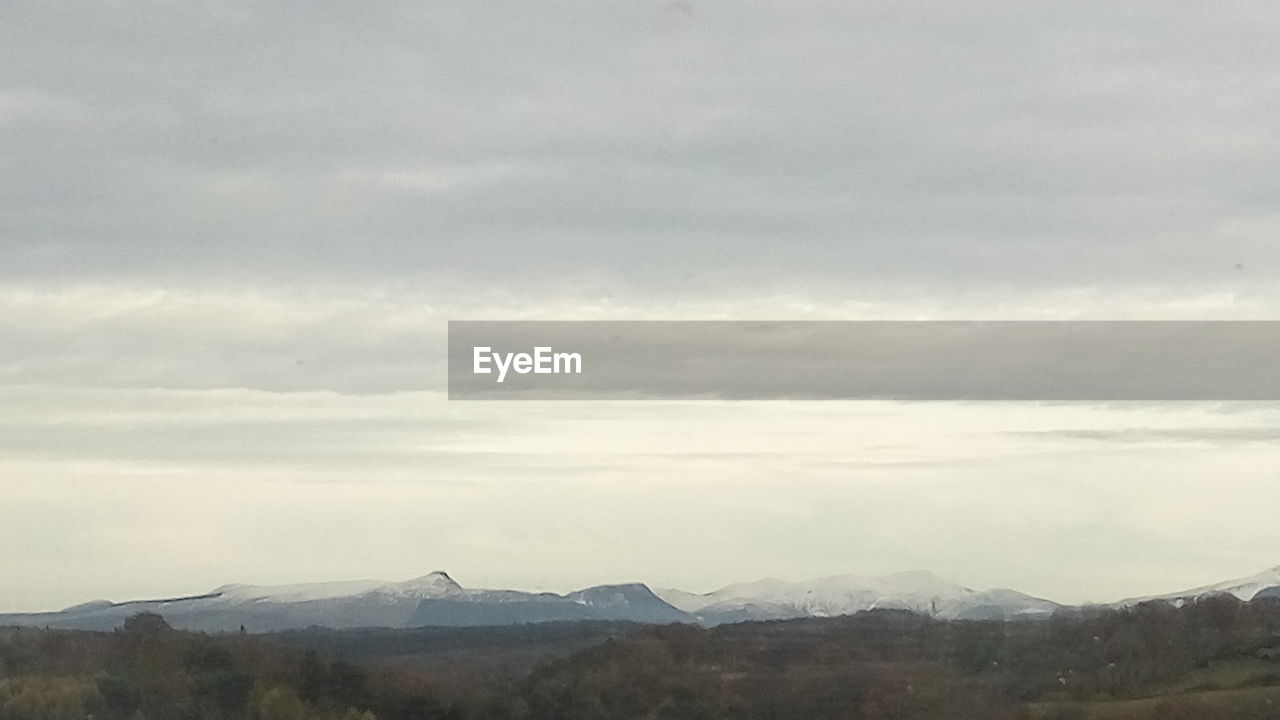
<point>871,666</point>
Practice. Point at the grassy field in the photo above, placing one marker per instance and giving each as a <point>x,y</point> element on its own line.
<point>1235,688</point>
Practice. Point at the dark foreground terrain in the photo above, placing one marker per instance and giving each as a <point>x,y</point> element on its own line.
<point>1216,658</point>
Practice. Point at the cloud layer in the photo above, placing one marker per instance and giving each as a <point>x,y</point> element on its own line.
<point>231,235</point>
<point>642,148</point>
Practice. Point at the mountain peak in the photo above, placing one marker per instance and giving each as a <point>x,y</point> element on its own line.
<point>435,583</point>
<point>1244,588</point>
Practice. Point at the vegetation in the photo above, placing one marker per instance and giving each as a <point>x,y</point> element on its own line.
<point>148,671</point>
<point>1209,659</point>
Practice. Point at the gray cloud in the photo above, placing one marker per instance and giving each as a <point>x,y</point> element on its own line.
<point>579,143</point>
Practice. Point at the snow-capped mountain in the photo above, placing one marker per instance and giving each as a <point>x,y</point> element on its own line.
<point>917,591</point>
<point>434,599</point>
<point>437,600</point>
<point>1265,583</point>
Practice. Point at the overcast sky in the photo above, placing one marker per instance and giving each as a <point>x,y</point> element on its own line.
<point>231,236</point>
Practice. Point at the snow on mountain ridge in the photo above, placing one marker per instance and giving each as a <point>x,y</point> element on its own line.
<point>431,600</point>
<point>436,584</point>
<point>300,592</point>
<point>917,591</point>
<point>437,600</point>
<point>1244,588</point>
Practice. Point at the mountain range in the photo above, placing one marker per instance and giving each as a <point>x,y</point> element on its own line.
<point>917,591</point>
<point>437,600</point>
<point>1264,584</point>
<point>431,600</point>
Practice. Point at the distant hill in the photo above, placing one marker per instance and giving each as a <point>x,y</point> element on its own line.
<point>1263,584</point>
<point>918,591</point>
<point>431,600</point>
<point>436,600</point>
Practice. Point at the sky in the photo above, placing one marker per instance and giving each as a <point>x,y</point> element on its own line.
<point>231,237</point>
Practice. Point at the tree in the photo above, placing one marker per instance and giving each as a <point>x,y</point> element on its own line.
<point>145,623</point>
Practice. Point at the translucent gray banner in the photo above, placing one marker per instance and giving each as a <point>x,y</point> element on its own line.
<point>942,360</point>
